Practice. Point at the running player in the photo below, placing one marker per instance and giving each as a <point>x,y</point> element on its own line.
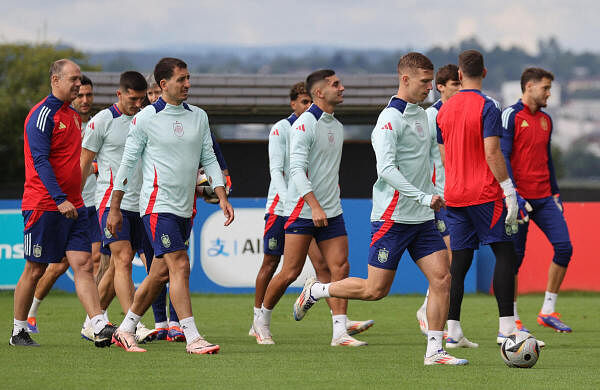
<point>55,218</point>
<point>447,83</point>
<point>313,203</point>
<point>83,105</point>
<point>404,199</point>
<point>274,234</point>
<point>527,133</point>
<point>469,130</point>
<point>104,140</point>
<point>171,139</point>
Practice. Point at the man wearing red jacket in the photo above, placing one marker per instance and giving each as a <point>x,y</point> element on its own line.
<point>55,218</point>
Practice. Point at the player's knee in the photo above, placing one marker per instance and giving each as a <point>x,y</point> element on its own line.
<point>375,293</point>
<point>441,282</point>
<point>562,253</point>
<point>35,271</point>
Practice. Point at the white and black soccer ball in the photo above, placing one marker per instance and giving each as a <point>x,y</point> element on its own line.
<point>520,350</point>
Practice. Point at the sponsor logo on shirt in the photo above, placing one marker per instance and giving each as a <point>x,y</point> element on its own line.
<point>61,125</point>
<point>524,123</point>
<point>301,127</point>
<point>388,126</point>
<point>275,132</point>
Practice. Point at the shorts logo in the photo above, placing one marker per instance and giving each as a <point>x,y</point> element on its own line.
<point>441,226</point>
<point>178,129</point>
<point>37,250</point>
<point>272,243</point>
<point>107,233</point>
<point>166,241</point>
<point>382,255</point>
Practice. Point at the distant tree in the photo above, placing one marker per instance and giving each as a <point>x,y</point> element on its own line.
<point>580,162</point>
<point>24,80</point>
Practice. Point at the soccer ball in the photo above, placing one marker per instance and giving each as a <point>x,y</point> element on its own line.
<point>520,349</point>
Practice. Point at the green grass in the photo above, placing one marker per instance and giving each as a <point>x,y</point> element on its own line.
<point>302,357</point>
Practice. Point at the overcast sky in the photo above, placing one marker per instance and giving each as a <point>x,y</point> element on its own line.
<point>122,24</point>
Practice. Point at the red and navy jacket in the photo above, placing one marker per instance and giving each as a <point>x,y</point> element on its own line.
<point>52,150</point>
<point>462,123</point>
<point>525,144</point>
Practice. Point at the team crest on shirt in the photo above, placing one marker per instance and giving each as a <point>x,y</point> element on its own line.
<point>420,130</point>
<point>178,129</point>
<point>544,123</point>
<point>37,250</point>
<point>107,233</point>
<point>382,255</point>
<point>166,241</point>
<point>76,122</point>
<point>272,243</point>
<point>330,137</point>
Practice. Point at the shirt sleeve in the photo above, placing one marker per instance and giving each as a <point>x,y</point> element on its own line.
<point>137,138</point>
<point>384,144</point>
<point>301,141</point>
<point>277,148</point>
<point>508,135</point>
<point>40,140</point>
<point>218,153</point>
<point>553,183</point>
<point>94,133</point>
<point>208,159</point>
<point>438,131</point>
<point>490,118</point>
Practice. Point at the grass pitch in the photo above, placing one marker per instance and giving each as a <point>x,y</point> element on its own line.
<point>302,357</point>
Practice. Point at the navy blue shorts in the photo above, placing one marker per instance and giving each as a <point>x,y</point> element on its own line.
<point>167,232</point>
<point>131,229</point>
<point>48,235</point>
<point>471,225</point>
<point>95,232</point>
<point>274,235</point>
<point>441,222</point>
<point>335,228</point>
<point>549,219</point>
<point>390,239</point>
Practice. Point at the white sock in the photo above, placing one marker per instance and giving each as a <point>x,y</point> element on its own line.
<point>86,322</point>
<point>174,323</point>
<point>18,326</point>
<point>434,342</point>
<point>256,312</point>
<point>549,303</point>
<point>320,290</point>
<point>161,325</point>
<point>105,315</point>
<point>264,318</point>
<point>98,323</point>
<point>188,325</point>
<point>34,307</point>
<point>130,322</point>
<point>339,325</point>
<point>424,305</point>
<point>516,314</point>
<point>507,325</point>
<point>454,330</point>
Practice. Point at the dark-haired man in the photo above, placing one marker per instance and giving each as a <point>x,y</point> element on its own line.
<point>170,139</point>
<point>404,199</point>
<point>469,131</point>
<point>447,83</point>
<point>83,105</point>
<point>274,233</point>
<point>313,203</point>
<point>55,218</point>
<point>526,147</point>
<point>104,140</point>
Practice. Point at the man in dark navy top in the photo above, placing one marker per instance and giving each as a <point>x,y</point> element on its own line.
<point>469,130</point>
<point>526,147</point>
<point>55,217</point>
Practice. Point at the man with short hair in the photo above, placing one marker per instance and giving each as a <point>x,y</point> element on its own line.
<point>83,105</point>
<point>313,203</point>
<point>404,199</point>
<point>447,83</point>
<point>274,233</point>
<point>171,139</point>
<point>55,218</point>
<point>526,147</point>
<point>469,131</point>
<point>104,140</point>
